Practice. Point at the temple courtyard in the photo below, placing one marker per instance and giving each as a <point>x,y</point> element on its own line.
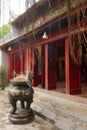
<point>53,111</point>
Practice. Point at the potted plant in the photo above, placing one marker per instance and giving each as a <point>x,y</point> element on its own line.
<point>2,77</point>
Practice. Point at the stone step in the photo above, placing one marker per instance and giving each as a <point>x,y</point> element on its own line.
<point>71,107</point>
<point>65,114</point>
<point>59,119</point>
<point>49,106</point>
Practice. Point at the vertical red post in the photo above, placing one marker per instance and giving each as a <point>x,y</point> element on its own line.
<point>50,67</point>
<point>9,66</point>
<point>32,64</point>
<point>67,66</point>
<point>46,66</point>
<point>32,55</point>
<point>21,56</point>
<point>14,62</point>
<point>29,59</point>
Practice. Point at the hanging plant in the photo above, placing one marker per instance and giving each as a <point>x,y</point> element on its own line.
<point>84,41</point>
<point>74,40</point>
<point>76,49</point>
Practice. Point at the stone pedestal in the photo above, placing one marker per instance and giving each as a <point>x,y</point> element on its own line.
<point>21,116</point>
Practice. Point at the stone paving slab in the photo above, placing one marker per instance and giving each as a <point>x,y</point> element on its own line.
<point>37,124</point>
<point>5,124</point>
<point>62,101</point>
<point>59,119</point>
<point>51,113</point>
<point>67,106</point>
<point>61,112</point>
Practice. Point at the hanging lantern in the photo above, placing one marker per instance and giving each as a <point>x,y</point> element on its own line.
<point>9,49</point>
<point>45,36</point>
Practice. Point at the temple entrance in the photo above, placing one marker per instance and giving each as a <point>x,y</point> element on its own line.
<point>56,66</point>
<point>46,60</point>
<point>57,70</point>
<point>60,60</point>
<point>84,65</point>
<point>60,65</point>
<point>61,83</point>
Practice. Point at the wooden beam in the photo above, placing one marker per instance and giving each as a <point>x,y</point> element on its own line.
<point>60,36</point>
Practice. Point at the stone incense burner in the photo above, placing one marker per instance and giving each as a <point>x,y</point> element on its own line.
<point>21,91</point>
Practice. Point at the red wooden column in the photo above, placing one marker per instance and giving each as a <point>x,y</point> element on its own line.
<point>43,67</point>
<point>67,66</point>
<point>14,62</point>
<point>32,64</point>
<point>46,66</point>
<point>27,60</point>
<point>73,73</point>
<point>50,67</point>
<point>9,66</point>
<point>21,56</point>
